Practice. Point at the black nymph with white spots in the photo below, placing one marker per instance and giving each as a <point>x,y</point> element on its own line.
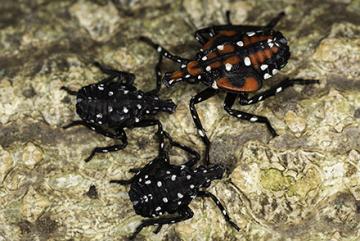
<point>235,59</point>
<point>114,103</point>
<point>162,191</point>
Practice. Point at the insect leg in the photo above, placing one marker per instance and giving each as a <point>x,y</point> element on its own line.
<point>228,20</point>
<point>194,154</point>
<point>122,182</point>
<point>125,77</point>
<point>229,101</point>
<point>163,51</point>
<point>120,134</point>
<point>158,76</point>
<point>275,20</point>
<point>69,91</point>
<point>220,206</point>
<point>184,214</point>
<point>202,96</point>
<point>274,90</point>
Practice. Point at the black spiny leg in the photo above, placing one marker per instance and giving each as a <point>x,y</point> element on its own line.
<point>203,95</point>
<point>163,51</point>
<point>195,155</point>
<point>125,77</point>
<point>69,91</point>
<point>75,123</point>
<point>274,90</point>
<point>220,206</point>
<point>184,214</point>
<point>158,75</point>
<point>229,101</point>
<point>275,21</point>
<point>228,20</point>
<point>120,134</point>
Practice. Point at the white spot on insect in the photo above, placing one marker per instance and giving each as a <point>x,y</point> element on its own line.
<point>146,176</point>
<point>182,167</point>
<point>165,200</point>
<point>101,87</point>
<point>162,145</point>
<point>172,221</point>
<point>111,93</point>
<point>211,34</point>
<point>199,99</point>
<point>179,202</point>
<point>192,186</point>
<point>180,195</point>
<point>178,60</point>
<point>158,208</point>
<point>159,184</point>
<point>247,61</point>
<point>220,47</point>
<point>147,112</point>
<point>250,34</point>
<point>173,177</point>
<point>125,110</point>
<point>187,76</point>
<point>99,115</point>
<point>250,101</point>
<point>139,106</point>
<point>269,40</point>
<point>168,172</point>
<point>240,43</point>
<point>278,89</point>
<point>92,128</point>
<point>165,54</point>
<point>139,96</point>
<point>188,177</point>
<point>267,76</point>
<point>199,76</point>
<point>271,44</point>
<point>159,49</point>
<point>208,68</point>
<point>253,119</point>
<point>137,119</point>
<point>105,151</point>
<point>110,109</point>
<point>201,133</point>
<point>205,171</point>
<point>264,66</point>
<point>148,182</point>
<point>100,122</point>
<point>260,97</point>
<point>171,81</point>
<point>214,85</point>
<point>159,73</point>
<point>204,58</point>
<point>275,71</point>
<point>125,92</point>
<point>228,66</point>
<point>224,212</point>
<point>239,115</point>
<point>183,66</point>
<point>140,179</point>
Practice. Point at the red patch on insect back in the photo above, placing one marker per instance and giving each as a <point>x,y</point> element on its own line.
<point>193,68</point>
<point>232,60</point>
<point>250,85</point>
<point>177,74</point>
<point>228,33</point>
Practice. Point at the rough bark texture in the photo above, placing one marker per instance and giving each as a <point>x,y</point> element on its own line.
<point>302,185</point>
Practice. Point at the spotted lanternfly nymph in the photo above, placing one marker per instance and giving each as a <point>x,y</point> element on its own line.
<point>235,59</point>
<point>113,104</point>
<point>161,188</point>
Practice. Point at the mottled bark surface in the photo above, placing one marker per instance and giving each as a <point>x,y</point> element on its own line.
<point>302,185</point>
